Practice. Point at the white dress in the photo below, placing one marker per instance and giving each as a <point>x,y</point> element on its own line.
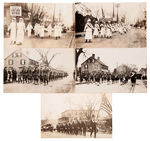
<point>96,30</point>
<point>20,32</point>
<point>88,31</point>
<point>103,31</point>
<point>56,31</point>
<point>42,31</point>
<point>60,30</point>
<point>29,29</point>
<point>12,29</point>
<point>49,29</point>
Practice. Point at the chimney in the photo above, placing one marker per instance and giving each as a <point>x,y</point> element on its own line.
<point>93,55</point>
<point>98,58</point>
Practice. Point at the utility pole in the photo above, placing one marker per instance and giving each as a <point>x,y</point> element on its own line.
<point>117,5</point>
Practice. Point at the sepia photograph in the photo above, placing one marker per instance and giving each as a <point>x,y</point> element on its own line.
<point>113,70</point>
<point>119,25</point>
<point>46,25</point>
<point>76,116</point>
<point>38,70</point>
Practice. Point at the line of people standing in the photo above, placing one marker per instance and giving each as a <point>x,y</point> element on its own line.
<point>103,30</point>
<point>17,30</point>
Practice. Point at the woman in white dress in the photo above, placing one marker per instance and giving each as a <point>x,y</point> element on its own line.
<point>96,29</point>
<point>108,31</point>
<point>42,28</point>
<point>56,31</point>
<point>103,31</point>
<point>29,29</point>
<point>12,28</point>
<point>20,31</point>
<point>88,31</point>
<point>49,29</point>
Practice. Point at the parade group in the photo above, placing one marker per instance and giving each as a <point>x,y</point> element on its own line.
<point>17,30</point>
<point>34,75</point>
<point>78,128</point>
<point>109,78</point>
<point>104,30</point>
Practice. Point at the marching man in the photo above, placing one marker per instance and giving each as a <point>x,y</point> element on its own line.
<point>20,31</point>
<point>96,30</point>
<point>49,29</point>
<point>88,31</point>
<point>12,29</point>
<point>29,29</point>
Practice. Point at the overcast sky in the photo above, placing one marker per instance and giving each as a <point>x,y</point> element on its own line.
<point>131,10</point>
<point>64,59</point>
<point>54,104</point>
<point>114,57</point>
<point>64,8</point>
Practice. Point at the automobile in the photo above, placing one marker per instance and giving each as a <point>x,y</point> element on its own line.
<point>47,127</point>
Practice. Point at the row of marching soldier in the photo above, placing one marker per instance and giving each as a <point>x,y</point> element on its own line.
<point>34,75</point>
<point>78,127</point>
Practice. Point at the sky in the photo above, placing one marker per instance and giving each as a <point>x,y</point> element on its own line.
<point>52,105</point>
<point>64,8</point>
<point>117,56</point>
<point>131,10</point>
<point>64,59</point>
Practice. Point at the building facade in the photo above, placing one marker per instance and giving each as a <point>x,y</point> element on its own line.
<point>93,65</point>
<point>18,60</point>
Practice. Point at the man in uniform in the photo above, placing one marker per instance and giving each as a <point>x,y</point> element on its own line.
<point>93,127</point>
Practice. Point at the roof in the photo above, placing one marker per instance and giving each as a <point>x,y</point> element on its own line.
<point>99,61</point>
<point>22,53</point>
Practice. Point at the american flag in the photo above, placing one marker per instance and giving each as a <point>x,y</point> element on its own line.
<point>106,106</point>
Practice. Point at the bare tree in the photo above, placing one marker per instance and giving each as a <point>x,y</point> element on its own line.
<point>45,57</point>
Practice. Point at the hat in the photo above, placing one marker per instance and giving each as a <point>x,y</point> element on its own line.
<point>89,20</point>
<point>96,21</point>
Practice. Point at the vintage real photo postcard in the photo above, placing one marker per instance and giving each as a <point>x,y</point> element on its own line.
<point>46,25</point>
<point>112,70</point>
<point>115,25</point>
<point>38,70</point>
<point>76,116</point>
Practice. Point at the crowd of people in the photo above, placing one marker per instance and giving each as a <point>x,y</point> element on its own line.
<point>17,30</point>
<point>33,75</point>
<point>104,30</point>
<point>78,128</point>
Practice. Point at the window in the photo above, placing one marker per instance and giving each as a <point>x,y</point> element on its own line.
<point>19,54</point>
<point>93,60</point>
<point>22,62</point>
<point>10,62</point>
<point>14,55</point>
<point>86,66</point>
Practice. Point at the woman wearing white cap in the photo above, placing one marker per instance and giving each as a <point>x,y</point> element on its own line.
<point>20,31</point>
<point>108,31</point>
<point>12,28</point>
<point>96,29</point>
<point>49,29</point>
<point>42,28</point>
<point>56,31</point>
<point>88,31</point>
<point>29,29</point>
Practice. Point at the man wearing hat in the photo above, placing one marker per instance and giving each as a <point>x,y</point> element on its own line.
<point>88,31</point>
<point>12,28</point>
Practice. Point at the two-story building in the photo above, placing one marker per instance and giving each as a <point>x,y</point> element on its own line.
<point>17,60</point>
<point>93,65</point>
